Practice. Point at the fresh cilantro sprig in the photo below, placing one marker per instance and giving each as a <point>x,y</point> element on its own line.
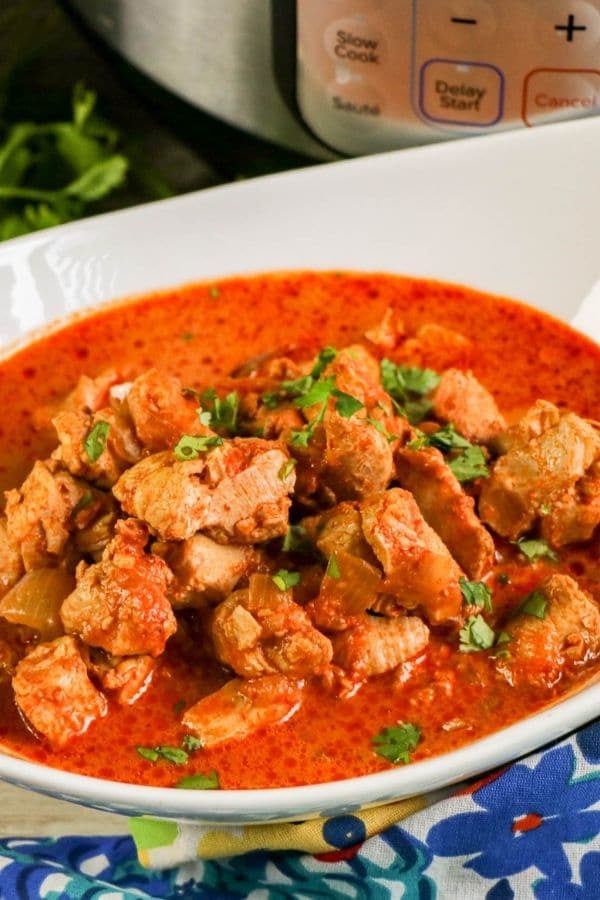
<point>200,782</point>
<point>476,635</point>
<point>407,386</point>
<point>223,410</point>
<point>470,464</point>
<point>535,548</point>
<point>320,392</point>
<point>53,172</point>
<point>535,604</point>
<point>397,742</point>
<point>284,579</point>
<point>333,568</point>
<point>190,446</point>
<point>179,756</point>
<point>446,439</point>
<point>298,387</point>
<point>476,593</point>
<point>95,442</point>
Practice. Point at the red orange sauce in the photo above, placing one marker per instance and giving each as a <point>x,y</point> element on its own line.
<point>200,333</point>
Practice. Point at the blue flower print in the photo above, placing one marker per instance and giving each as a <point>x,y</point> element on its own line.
<point>527,816</point>
<point>588,741</point>
<point>589,889</point>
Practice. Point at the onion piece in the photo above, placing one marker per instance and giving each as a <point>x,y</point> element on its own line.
<point>36,600</point>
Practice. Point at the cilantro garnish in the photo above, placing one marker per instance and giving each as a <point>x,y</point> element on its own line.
<point>448,438</point>
<point>470,464</point>
<point>284,579</point>
<point>476,635</point>
<point>83,503</point>
<point>214,292</point>
<point>223,411</point>
<point>200,782</point>
<point>535,548</point>
<point>476,593</point>
<point>382,429</point>
<point>406,385</point>
<point>95,442</point>
<point>191,446</point>
<point>53,172</point>
<point>296,540</point>
<point>397,742</point>
<point>191,743</point>
<point>535,604</point>
<point>333,568</point>
<point>286,469</point>
<point>172,754</point>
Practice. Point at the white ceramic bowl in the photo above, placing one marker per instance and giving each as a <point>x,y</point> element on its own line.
<point>515,214</point>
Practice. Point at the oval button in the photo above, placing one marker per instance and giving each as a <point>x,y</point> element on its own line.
<point>553,94</point>
<point>355,97</point>
<point>353,41</point>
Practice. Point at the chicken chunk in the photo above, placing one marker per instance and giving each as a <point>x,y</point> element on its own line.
<point>242,707</point>
<point>536,472</point>
<point>160,412</point>
<point>260,631</point>
<point>342,601</point>
<point>98,446</point>
<point>92,394</point>
<point>11,562</point>
<point>206,572</point>
<point>463,401</point>
<point>438,347</point>
<point>126,678</point>
<point>54,692</point>
<point>576,514</point>
<point>447,508</point>
<point>339,530</point>
<point>357,458</point>
<point>377,645</point>
<point>541,649</point>
<point>120,604</point>
<point>416,562</point>
<point>236,493</point>
<point>39,515</point>
<point>357,373</point>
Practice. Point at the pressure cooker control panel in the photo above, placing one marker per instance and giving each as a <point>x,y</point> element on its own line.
<point>379,74</point>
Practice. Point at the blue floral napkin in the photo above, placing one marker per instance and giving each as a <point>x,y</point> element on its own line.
<point>530,831</point>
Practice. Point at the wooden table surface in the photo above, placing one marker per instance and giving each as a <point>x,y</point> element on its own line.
<point>25,814</point>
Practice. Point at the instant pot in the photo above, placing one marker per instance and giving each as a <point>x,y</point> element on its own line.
<point>323,78</point>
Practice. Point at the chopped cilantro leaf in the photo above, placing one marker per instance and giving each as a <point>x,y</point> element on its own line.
<point>95,442</point>
<point>286,469</point>
<point>318,392</point>
<point>448,438</point>
<point>224,411</point>
<point>175,755</point>
<point>400,381</point>
<point>346,405</point>
<point>296,540</point>
<point>191,446</point>
<point>470,464</point>
<point>503,638</point>
<point>476,635</point>
<point>214,292</point>
<point>83,503</point>
<point>148,753</point>
<point>397,742</point>
<point>476,593</point>
<point>191,743</point>
<point>333,568</point>
<point>271,399</point>
<point>301,438</point>
<point>285,580</point>
<point>381,429</point>
<point>535,548</point>
<point>325,356</point>
<point>545,509</point>
<point>535,604</point>
<point>200,782</point>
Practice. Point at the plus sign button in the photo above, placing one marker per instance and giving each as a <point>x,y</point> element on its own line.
<point>568,28</point>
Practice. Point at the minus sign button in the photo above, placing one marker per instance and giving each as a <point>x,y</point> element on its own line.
<point>457,20</point>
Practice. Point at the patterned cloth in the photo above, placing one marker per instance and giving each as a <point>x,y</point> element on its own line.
<point>530,831</point>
